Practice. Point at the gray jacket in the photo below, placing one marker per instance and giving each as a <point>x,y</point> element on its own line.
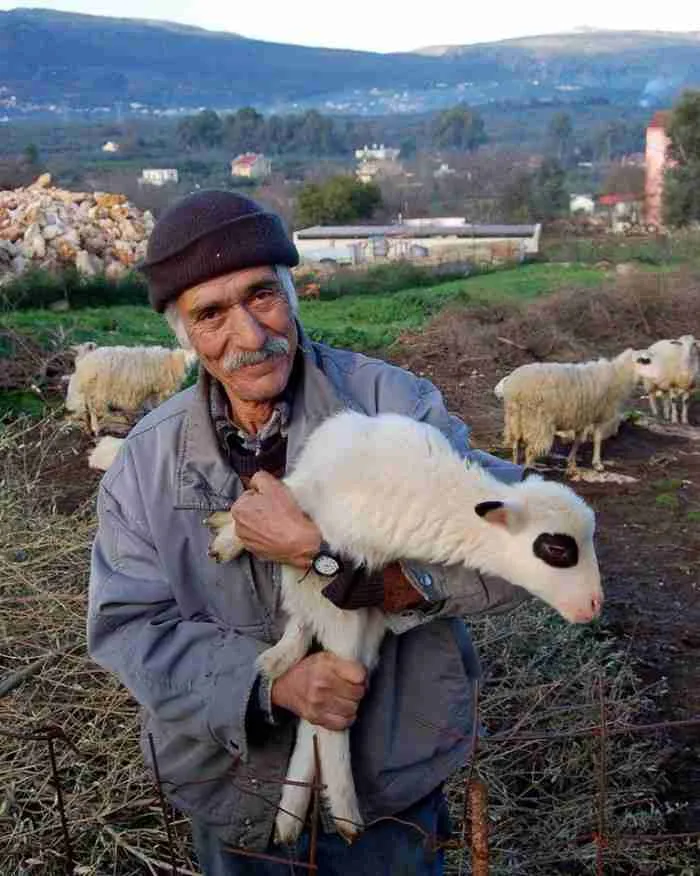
<point>183,633</point>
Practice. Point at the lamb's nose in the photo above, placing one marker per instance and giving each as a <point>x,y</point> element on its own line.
<point>596,605</point>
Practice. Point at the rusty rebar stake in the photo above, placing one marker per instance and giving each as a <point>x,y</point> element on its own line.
<point>70,863</point>
<point>600,838</point>
<point>163,806</point>
<point>315,815</point>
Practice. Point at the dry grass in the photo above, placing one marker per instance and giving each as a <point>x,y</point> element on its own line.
<point>541,677</point>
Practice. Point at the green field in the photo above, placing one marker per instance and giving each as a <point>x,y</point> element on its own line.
<point>360,322</point>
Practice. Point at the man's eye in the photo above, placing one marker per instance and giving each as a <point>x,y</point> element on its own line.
<point>209,313</point>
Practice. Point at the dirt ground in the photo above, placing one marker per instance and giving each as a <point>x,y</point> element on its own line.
<point>648,537</point>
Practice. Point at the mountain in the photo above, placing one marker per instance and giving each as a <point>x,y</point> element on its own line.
<point>59,62</point>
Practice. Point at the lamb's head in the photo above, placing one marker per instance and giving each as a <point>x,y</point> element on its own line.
<point>543,536</point>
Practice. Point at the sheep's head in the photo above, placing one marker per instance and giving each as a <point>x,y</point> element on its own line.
<point>545,545</point>
<point>646,365</point>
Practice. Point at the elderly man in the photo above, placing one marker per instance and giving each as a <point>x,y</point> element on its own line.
<point>183,634</point>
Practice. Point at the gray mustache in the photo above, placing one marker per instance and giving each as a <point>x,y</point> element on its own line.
<point>271,348</point>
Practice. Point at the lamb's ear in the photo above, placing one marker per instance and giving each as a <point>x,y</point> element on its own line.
<point>505,514</point>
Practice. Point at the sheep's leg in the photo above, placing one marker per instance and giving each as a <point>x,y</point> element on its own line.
<point>684,414</point>
<point>597,444</point>
<point>652,403</point>
<point>674,407</point>
<point>666,399</point>
<point>295,798</point>
<point>290,649</point>
<point>516,451</point>
<point>571,467</point>
<point>225,545</point>
<point>93,422</point>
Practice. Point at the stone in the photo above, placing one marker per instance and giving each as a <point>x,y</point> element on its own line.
<point>109,200</point>
<point>19,264</point>
<point>88,264</point>
<point>34,244</point>
<point>59,306</point>
<point>43,181</point>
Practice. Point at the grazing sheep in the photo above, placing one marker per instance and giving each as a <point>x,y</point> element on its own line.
<point>386,488</point>
<point>672,374</point>
<point>544,398</point>
<point>105,452</point>
<point>128,378</point>
<point>83,349</point>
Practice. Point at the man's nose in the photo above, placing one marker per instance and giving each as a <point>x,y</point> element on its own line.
<point>246,331</point>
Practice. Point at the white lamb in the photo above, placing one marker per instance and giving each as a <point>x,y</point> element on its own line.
<point>385,488</point>
<point>105,452</point>
<point>544,398</point>
<point>126,378</point>
<point>673,373</point>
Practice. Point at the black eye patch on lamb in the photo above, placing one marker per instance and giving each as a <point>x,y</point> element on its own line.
<point>556,549</point>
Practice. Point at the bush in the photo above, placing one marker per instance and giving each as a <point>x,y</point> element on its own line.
<point>392,277</point>
<point>41,288</point>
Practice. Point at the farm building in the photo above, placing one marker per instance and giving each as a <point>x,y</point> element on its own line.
<point>435,240</point>
<point>158,176</point>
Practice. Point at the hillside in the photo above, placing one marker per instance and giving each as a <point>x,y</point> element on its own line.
<point>53,62</point>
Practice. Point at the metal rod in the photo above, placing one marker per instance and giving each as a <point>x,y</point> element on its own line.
<point>163,806</point>
<point>70,864</point>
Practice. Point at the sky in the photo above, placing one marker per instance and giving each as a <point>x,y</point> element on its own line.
<point>389,26</point>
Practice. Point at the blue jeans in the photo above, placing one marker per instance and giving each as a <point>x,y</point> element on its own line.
<point>385,849</point>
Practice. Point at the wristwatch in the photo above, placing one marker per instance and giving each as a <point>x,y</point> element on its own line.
<point>326,563</point>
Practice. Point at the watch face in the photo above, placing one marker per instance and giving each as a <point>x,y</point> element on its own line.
<point>326,565</point>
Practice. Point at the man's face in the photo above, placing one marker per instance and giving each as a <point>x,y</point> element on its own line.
<point>243,330</point>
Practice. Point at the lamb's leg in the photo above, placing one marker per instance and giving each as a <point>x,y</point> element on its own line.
<point>336,774</point>
<point>290,649</point>
<point>295,798</point>
<point>516,451</point>
<point>597,443</point>
<point>225,545</point>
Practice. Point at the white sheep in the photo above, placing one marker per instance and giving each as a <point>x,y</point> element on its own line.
<point>544,398</point>
<point>673,373</point>
<point>386,488</point>
<point>127,378</point>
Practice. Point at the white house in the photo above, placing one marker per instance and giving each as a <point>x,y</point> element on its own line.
<point>582,204</point>
<point>377,161</point>
<point>251,165</point>
<point>158,176</point>
<point>110,146</point>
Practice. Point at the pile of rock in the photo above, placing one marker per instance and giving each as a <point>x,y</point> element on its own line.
<point>45,227</point>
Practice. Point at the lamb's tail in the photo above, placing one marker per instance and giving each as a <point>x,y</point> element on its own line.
<point>105,452</point>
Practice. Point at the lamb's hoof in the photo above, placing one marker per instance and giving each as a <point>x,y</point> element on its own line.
<point>287,829</point>
<point>217,520</point>
<point>598,466</point>
<point>349,832</point>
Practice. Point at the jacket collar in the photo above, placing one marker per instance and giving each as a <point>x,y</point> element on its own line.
<point>204,479</point>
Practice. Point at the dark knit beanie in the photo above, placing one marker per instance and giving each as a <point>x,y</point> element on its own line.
<point>208,234</point>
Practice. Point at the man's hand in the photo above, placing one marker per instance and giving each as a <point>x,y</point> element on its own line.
<point>272,526</point>
<point>323,689</point>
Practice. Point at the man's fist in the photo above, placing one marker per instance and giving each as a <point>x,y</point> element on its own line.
<point>323,689</point>
<point>271,524</point>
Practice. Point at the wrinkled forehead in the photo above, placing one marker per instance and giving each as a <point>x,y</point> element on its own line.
<point>229,288</point>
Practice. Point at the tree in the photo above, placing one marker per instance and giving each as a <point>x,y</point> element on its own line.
<point>516,204</point>
<point>682,188</point>
<point>459,128</point>
<point>560,136</point>
<point>338,200</point>
<point>205,130</point>
<point>31,155</point>
<point>550,198</point>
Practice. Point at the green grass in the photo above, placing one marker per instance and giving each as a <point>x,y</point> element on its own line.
<point>667,500</point>
<point>360,322</point>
